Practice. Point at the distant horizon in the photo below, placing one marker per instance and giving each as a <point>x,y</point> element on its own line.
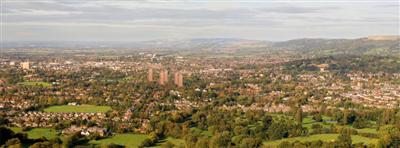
<point>268,20</point>
<point>179,39</point>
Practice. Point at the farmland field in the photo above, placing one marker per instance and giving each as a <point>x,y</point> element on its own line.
<point>78,108</point>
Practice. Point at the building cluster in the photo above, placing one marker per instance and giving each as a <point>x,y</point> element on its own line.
<point>246,84</point>
<point>49,119</point>
<point>369,90</point>
<point>164,77</point>
<point>16,104</point>
<point>86,131</point>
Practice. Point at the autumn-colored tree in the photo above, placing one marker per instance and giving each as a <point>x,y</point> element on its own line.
<point>299,116</point>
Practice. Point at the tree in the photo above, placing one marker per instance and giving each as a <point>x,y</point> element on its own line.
<point>347,117</point>
<point>221,140</point>
<point>3,120</point>
<point>346,114</point>
<point>278,130</point>
<point>299,115</point>
<point>5,134</point>
<point>167,145</point>
<point>45,144</point>
<point>251,142</point>
<point>202,142</point>
<point>13,143</point>
<point>146,143</point>
<point>112,145</point>
<point>153,137</point>
<point>21,136</point>
<point>317,143</point>
<point>285,144</point>
<point>191,138</point>
<point>390,136</point>
<point>317,117</point>
<point>344,139</point>
<point>317,128</point>
<point>71,140</point>
<point>387,117</point>
<point>360,123</point>
<point>266,121</point>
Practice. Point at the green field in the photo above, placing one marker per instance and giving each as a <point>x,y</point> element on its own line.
<point>367,130</point>
<point>308,122</point>
<point>44,84</point>
<point>172,140</point>
<point>36,133</point>
<point>363,130</point>
<point>80,109</point>
<point>129,140</point>
<point>323,137</point>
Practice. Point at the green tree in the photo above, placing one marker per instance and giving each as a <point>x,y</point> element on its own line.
<point>202,142</point>
<point>278,130</point>
<point>13,143</point>
<point>5,134</point>
<point>360,123</point>
<point>250,143</point>
<point>71,140</point>
<point>146,143</point>
<point>221,140</point>
<point>390,136</point>
<point>167,145</point>
<point>45,144</point>
<point>317,117</point>
<point>285,144</point>
<point>3,120</point>
<point>344,139</point>
<point>346,114</point>
<point>316,128</point>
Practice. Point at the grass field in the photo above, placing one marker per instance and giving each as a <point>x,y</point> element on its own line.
<point>308,122</point>
<point>323,137</point>
<point>367,130</point>
<point>36,133</point>
<point>44,84</point>
<point>363,130</point>
<point>80,109</point>
<point>172,140</point>
<point>129,140</point>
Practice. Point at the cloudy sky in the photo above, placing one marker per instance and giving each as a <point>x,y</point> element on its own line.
<point>125,20</point>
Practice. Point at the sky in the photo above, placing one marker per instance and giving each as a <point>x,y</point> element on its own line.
<point>127,20</point>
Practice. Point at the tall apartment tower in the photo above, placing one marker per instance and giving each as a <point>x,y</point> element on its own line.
<point>150,75</point>
<point>178,79</point>
<point>163,77</point>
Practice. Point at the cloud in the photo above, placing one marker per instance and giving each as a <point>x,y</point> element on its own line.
<point>39,12</point>
<point>121,20</point>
